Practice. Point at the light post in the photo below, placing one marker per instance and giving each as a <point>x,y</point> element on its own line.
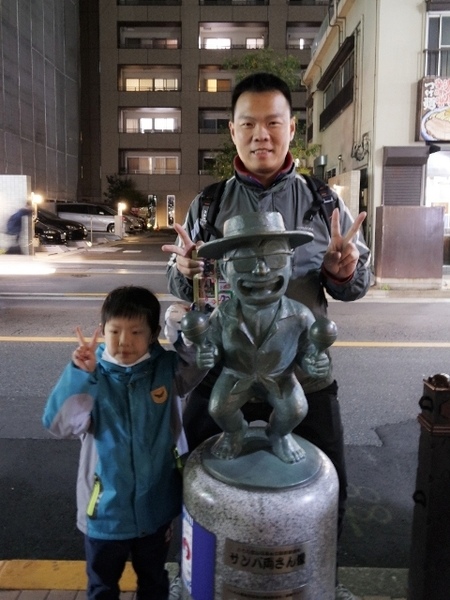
<point>32,241</point>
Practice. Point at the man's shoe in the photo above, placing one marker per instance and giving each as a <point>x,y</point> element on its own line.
<point>175,588</point>
<point>342,593</point>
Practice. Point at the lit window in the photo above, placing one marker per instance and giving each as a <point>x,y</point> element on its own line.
<point>217,43</point>
<point>254,43</point>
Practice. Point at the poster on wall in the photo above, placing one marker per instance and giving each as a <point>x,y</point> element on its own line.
<point>433,114</point>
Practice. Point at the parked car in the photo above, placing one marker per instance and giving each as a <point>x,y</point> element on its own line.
<point>136,223</point>
<point>99,217</point>
<point>49,234</point>
<point>73,229</point>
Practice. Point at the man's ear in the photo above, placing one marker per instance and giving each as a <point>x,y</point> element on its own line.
<point>231,128</point>
<point>293,127</point>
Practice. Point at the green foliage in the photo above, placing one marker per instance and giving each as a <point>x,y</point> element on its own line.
<point>123,189</point>
<point>287,67</point>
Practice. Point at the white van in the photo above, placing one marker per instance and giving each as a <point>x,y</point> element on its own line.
<point>98,217</point>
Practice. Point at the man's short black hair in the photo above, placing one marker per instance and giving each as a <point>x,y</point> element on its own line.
<point>260,82</point>
<point>132,302</point>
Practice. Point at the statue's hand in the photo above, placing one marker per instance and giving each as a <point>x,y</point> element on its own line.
<point>316,365</point>
<point>207,356</point>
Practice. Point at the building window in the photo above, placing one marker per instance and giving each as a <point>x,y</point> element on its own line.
<point>149,120</point>
<point>217,43</point>
<point>206,159</point>
<point>144,78</point>
<point>217,85</point>
<point>225,35</point>
<point>254,43</point>
<point>142,164</point>
<point>138,35</point>
<point>438,46</point>
<point>300,36</point>
<point>213,121</point>
<point>339,81</point>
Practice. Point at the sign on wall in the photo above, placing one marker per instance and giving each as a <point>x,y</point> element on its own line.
<point>433,114</point>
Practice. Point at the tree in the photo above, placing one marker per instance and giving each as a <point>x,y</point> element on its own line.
<point>288,69</point>
<point>123,189</point>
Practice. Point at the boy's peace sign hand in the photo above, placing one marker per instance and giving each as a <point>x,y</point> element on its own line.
<point>342,255</point>
<point>84,356</point>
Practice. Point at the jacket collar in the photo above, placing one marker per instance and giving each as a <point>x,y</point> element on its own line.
<point>245,175</point>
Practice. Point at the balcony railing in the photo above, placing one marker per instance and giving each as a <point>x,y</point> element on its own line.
<point>150,44</point>
<point>308,2</point>
<point>149,2</point>
<point>232,46</point>
<point>213,130</point>
<point>437,63</point>
<point>152,172</point>
<point>233,2</point>
<point>137,130</point>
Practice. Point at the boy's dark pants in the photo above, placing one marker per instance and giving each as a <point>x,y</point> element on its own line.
<point>105,562</point>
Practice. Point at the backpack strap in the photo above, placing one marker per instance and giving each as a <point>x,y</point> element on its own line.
<point>325,200</point>
<point>209,207</point>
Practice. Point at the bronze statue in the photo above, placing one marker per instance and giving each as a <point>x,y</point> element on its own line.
<point>259,334</point>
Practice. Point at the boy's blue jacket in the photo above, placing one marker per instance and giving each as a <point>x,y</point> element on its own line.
<point>128,484</point>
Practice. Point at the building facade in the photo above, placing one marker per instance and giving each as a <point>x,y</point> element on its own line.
<point>39,94</point>
<point>377,75</point>
<point>164,94</point>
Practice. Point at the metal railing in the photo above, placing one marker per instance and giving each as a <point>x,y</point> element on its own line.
<point>233,2</point>
<point>148,2</point>
<point>150,44</point>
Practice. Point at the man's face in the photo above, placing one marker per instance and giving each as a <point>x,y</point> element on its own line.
<point>261,130</point>
<point>259,273</point>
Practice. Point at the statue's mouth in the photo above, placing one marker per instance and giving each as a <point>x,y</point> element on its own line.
<point>261,288</point>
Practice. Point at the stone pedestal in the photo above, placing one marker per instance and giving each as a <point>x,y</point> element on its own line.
<point>256,528</point>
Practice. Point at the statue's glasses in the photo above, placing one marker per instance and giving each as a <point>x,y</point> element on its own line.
<point>247,264</point>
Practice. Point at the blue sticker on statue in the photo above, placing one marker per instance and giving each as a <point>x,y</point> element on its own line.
<point>198,558</point>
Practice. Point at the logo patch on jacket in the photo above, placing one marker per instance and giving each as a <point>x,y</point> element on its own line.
<point>159,396</point>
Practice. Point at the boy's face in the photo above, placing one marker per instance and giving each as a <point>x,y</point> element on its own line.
<point>127,340</point>
<point>262,129</point>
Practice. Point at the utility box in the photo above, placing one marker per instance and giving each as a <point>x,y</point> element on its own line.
<point>429,573</point>
<point>409,242</point>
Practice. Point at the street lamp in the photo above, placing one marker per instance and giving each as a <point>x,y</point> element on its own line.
<point>35,200</point>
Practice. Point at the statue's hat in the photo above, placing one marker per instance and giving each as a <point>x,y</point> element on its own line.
<point>253,227</point>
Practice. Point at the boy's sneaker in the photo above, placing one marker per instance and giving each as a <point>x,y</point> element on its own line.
<point>175,588</point>
<point>342,593</point>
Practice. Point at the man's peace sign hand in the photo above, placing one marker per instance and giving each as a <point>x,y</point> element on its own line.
<point>84,356</point>
<point>342,255</point>
<point>187,265</point>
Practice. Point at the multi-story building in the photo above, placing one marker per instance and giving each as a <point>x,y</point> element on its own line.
<point>161,100</point>
<point>379,106</point>
<point>39,94</point>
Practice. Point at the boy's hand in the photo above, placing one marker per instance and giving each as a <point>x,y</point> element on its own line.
<point>187,265</point>
<point>84,356</point>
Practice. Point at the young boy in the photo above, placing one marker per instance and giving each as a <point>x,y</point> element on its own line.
<point>119,399</point>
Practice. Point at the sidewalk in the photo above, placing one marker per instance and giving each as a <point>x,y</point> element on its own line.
<point>65,580</point>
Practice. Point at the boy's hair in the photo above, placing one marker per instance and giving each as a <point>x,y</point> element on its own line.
<point>131,302</point>
<point>260,82</point>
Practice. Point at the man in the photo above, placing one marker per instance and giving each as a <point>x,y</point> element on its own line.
<point>337,260</point>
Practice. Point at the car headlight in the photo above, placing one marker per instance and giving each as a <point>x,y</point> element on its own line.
<point>71,227</point>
